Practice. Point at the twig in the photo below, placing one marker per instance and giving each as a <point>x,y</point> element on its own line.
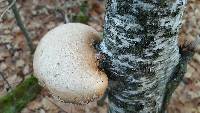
<point>9,87</point>
<point>21,26</point>
<point>194,67</point>
<point>4,79</point>
<point>65,20</point>
<point>4,12</point>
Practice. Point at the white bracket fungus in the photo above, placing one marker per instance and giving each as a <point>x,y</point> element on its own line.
<point>65,63</point>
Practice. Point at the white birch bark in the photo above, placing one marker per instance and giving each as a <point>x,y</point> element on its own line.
<point>140,40</point>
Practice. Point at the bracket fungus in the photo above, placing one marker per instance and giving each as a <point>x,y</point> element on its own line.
<point>65,63</point>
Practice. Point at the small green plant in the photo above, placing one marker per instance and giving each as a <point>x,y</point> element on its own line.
<point>82,15</point>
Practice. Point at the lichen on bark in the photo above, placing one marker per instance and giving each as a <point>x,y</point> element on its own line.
<point>140,40</point>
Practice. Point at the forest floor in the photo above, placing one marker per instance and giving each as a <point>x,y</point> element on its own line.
<point>40,16</point>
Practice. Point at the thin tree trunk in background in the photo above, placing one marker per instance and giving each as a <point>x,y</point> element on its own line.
<point>141,42</point>
<point>21,26</point>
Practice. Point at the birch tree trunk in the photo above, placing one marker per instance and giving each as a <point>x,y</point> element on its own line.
<point>141,44</point>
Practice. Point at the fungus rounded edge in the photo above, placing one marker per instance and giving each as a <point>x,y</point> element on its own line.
<point>65,63</point>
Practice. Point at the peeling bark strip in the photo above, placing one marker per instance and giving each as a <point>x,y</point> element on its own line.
<point>140,38</point>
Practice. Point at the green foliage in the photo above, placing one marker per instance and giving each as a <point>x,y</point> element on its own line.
<point>82,16</point>
<point>17,99</point>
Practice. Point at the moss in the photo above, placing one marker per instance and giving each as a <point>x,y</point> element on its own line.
<point>82,16</point>
<point>17,99</point>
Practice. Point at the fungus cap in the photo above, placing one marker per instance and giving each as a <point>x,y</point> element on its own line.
<point>65,63</point>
